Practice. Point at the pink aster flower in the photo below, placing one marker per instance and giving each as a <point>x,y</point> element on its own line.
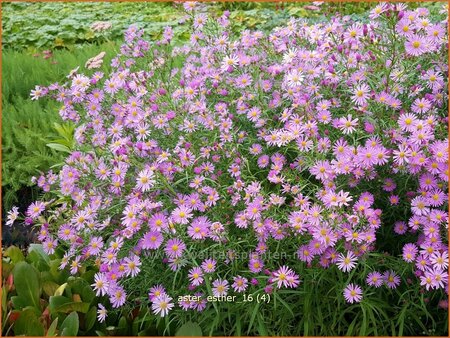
<point>240,284</point>
<point>284,276</point>
<point>346,263</point>
<point>374,279</point>
<point>156,291</point>
<point>220,287</point>
<point>353,293</point>
<point>145,180</point>
<point>209,265</point>
<point>101,313</point>
<point>162,305</point>
<point>199,228</point>
<point>196,276</point>
<point>12,215</point>
<point>181,215</point>
<point>117,296</point>
<point>35,209</point>
<point>174,248</point>
<point>391,279</point>
<point>361,94</point>
<point>348,124</point>
<point>101,284</point>
<point>152,240</point>
<point>416,45</point>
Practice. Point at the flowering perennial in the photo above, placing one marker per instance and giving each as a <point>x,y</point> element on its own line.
<point>301,139</point>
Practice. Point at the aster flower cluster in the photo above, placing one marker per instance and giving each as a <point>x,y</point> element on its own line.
<point>292,138</point>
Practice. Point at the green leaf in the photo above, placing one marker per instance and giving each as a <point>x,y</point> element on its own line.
<point>27,282</point>
<point>82,287</point>
<point>73,306</point>
<point>57,301</point>
<point>49,288</point>
<point>91,317</point>
<point>19,302</point>
<point>28,324</point>
<point>190,329</point>
<point>39,249</point>
<point>52,329</point>
<point>15,254</point>
<point>58,147</point>
<point>60,290</point>
<point>70,325</point>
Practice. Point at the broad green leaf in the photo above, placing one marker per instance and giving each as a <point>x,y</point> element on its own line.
<point>19,302</point>
<point>190,329</point>
<point>15,254</point>
<point>70,325</point>
<point>27,282</point>
<point>73,306</point>
<point>49,288</point>
<point>38,248</point>
<point>57,301</point>
<point>28,324</point>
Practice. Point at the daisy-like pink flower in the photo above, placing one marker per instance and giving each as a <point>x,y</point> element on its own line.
<point>416,45</point>
<point>152,240</point>
<point>255,265</point>
<point>440,260</point>
<point>294,78</point>
<point>220,287</point>
<point>346,263</point>
<point>209,265</point>
<point>353,293</point>
<point>12,216</point>
<point>158,222</point>
<point>347,124</point>
<point>132,265</point>
<point>174,248</point>
<point>410,251</point>
<point>181,215</point>
<point>361,94</point>
<point>75,265</point>
<point>199,228</point>
<point>421,106</point>
<point>240,284</point>
<point>145,180</point>
<point>284,276</point>
<point>101,284</point>
<point>156,291</point>
<point>49,245</point>
<point>391,279</point>
<point>229,62</point>
<point>162,305</point>
<point>101,313</point>
<point>428,280</point>
<point>35,209</point>
<point>374,279</point>
<point>196,276</point>
<point>117,297</point>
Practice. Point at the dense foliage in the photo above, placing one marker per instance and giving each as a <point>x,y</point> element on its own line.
<point>301,172</point>
<point>32,26</point>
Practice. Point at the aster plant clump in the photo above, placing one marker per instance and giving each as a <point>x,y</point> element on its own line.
<point>196,164</point>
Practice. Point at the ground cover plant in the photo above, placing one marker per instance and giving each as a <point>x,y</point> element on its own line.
<point>284,183</point>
